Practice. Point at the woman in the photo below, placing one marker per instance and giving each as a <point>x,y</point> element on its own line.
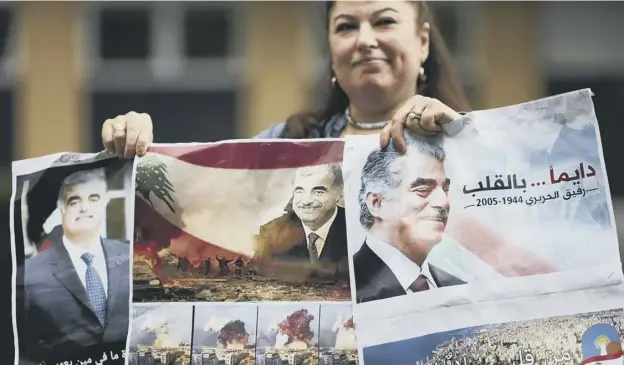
<point>391,71</point>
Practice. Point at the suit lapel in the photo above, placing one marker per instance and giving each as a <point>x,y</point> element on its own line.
<point>288,238</point>
<point>336,240</point>
<point>374,279</point>
<point>115,275</point>
<point>329,248</point>
<point>443,278</point>
<point>66,274</point>
<point>299,248</point>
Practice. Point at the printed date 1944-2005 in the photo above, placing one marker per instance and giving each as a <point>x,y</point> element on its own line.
<point>507,200</point>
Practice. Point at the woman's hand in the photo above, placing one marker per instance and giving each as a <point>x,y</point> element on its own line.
<point>420,115</point>
<point>127,135</point>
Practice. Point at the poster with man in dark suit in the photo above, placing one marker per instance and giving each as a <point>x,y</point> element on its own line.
<point>404,207</point>
<point>72,293</point>
<point>312,230</point>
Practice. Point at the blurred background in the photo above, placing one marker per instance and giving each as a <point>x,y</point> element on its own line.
<point>210,71</point>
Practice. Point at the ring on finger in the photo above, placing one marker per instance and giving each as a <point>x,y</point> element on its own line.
<point>413,115</point>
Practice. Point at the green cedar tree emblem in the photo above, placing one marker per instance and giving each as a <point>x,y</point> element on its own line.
<point>151,179</point>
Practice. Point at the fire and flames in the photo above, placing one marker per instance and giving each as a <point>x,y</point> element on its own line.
<point>148,253</point>
<point>233,335</point>
<point>296,327</point>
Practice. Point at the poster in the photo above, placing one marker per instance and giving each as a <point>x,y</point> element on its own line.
<point>572,328</point>
<point>466,236</point>
<point>71,228</point>
<point>240,255</point>
<point>241,221</point>
<point>507,202</point>
<point>296,333</point>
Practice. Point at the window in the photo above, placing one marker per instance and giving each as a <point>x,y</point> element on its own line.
<point>124,33</point>
<point>207,32</point>
<point>178,116</point>
<point>188,78</point>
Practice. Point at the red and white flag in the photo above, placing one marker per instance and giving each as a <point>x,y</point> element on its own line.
<point>200,201</point>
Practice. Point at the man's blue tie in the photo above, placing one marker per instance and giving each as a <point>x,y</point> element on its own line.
<point>95,289</point>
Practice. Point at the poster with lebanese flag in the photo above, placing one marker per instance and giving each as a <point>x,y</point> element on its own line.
<point>250,220</point>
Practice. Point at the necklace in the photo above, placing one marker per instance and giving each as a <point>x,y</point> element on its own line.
<point>367,126</point>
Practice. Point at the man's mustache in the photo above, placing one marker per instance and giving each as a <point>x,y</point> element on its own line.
<point>309,205</point>
<point>435,214</point>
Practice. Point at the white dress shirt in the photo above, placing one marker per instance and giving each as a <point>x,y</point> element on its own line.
<point>405,270</point>
<point>99,261</point>
<point>322,232</point>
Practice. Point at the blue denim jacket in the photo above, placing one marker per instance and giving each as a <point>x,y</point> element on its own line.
<point>332,129</point>
<point>334,126</point>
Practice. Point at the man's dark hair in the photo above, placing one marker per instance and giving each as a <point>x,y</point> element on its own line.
<point>381,175</point>
<point>80,177</point>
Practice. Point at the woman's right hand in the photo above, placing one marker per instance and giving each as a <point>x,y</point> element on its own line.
<point>128,135</point>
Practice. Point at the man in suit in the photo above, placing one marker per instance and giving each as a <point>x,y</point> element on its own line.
<point>404,206</point>
<point>76,292</point>
<point>313,229</point>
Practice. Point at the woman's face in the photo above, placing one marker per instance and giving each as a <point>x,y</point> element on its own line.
<point>376,45</point>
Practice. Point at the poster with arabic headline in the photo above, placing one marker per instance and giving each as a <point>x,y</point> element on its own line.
<point>71,229</point>
<point>584,327</point>
<point>303,333</point>
<point>506,202</point>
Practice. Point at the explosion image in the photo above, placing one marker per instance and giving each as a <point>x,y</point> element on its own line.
<point>233,335</point>
<point>337,340</point>
<point>225,333</point>
<point>161,332</point>
<point>293,338</point>
<point>296,330</point>
<point>345,334</point>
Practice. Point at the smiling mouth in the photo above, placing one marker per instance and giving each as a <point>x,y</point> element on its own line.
<point>435,220</point>
<point>309,208</point>
<point>369,61</point>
